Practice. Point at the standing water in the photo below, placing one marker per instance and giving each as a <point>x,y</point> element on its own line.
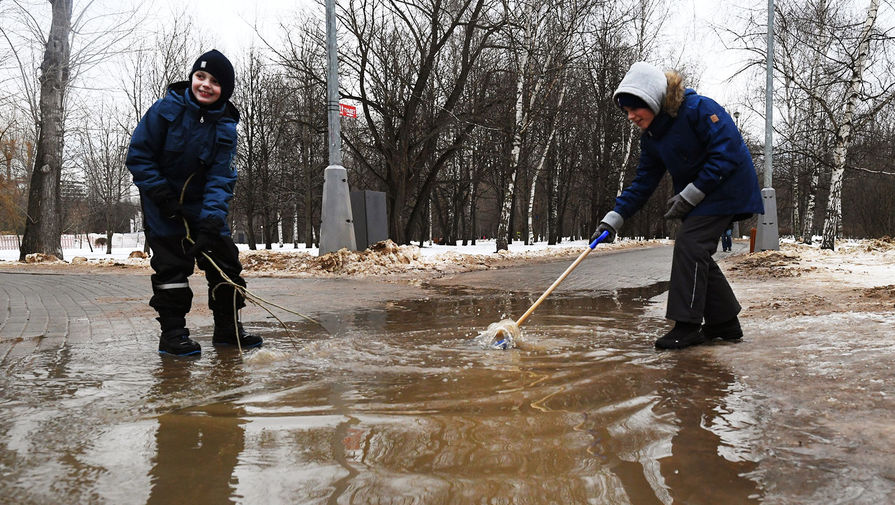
<point>393,406</point>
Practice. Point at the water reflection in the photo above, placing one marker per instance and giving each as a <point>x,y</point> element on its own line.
<point>393,406</point>
<point>197,448</point>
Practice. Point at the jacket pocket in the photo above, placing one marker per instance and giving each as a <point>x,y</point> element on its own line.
<point>173,149</point>
<point>225,144</point>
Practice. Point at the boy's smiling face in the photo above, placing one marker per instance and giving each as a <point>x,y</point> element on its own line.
<point>640,116</point>
<point>206,89</point>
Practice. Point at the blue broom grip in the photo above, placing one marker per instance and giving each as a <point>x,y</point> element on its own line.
<point>599,239</point>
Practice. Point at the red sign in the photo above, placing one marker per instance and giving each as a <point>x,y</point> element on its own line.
<point>347,110</point>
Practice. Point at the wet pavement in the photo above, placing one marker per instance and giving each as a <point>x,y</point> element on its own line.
<point>390,401</point>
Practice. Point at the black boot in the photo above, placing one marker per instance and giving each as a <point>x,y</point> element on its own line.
<point>682,335</point>
<point>728,330</point>
<point>225,334</point>
<point>178,343</point>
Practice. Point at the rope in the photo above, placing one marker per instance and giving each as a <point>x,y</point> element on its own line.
<point>237,288</point>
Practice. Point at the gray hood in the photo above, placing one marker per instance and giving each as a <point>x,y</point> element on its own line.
<point>645,82</point>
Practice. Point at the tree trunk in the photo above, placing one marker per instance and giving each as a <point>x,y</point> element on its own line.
<point>543,160</point>
<point>295,222</point>
<point>621,171</point>
<point>279,230</point>
<point>843,135</point>
<point>811,206</point>
<point>43,227</point>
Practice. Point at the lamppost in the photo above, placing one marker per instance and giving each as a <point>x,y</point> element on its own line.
<point>336,223</point>
<point>767,236</point>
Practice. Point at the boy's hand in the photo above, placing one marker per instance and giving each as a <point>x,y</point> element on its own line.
<point>678,207</point>
<point>208,234</point>
<point>166,201</point>
<point>201,244</point>
<point>171,209</point>
<point>600,229</point>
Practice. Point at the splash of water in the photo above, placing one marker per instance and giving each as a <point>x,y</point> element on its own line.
<point>264,356</point>
<point>504,334</point>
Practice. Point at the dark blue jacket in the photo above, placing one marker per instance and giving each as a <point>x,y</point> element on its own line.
<point>703,146</point>
<point>177,139</point>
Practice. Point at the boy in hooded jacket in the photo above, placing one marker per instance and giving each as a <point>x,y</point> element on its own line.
<point>697,142</point>
<point>181,156</point>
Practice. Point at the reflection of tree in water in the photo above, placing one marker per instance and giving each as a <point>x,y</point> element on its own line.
<point>197,448</point>
<point>689,459</point>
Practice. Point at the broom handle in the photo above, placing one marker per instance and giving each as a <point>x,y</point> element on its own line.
<point>562,277</point>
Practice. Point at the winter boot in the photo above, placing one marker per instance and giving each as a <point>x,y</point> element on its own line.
<point>728,330</point>
<point>178,343</point>
<point>682,335</point>
<point>225,334</point>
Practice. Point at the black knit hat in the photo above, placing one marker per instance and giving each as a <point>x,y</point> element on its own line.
<point>629,100</point>
<point>218,66</point>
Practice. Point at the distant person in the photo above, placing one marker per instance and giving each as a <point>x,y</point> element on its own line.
<point>696,141</point>
<point>727,238</point>
<point>181,157</point>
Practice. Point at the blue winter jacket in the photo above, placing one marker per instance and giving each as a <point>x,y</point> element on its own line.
<point>177,139</point>
<point>703,146</point>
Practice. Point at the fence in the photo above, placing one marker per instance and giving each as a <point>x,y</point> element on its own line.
<point>119,241</point>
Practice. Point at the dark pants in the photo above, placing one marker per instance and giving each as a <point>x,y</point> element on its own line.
<point>171,293</point>
<point>699,291</point>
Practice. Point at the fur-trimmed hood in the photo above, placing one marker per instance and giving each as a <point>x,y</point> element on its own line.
<point>674,93</point>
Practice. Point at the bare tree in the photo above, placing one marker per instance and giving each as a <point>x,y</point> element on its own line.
<point>844,132</point>
<point>300,54</point>
<point>835,70</point>
<point>75,43</point>
<point>160,59</point>
<point>43,228</point>
<point>103,147</point>
<point>397,50</point>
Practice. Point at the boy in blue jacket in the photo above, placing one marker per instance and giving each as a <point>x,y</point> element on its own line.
<point>181,158</point>
<point>698,144</point>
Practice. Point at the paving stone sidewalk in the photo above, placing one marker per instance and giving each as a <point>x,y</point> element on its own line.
<point>47,308</point>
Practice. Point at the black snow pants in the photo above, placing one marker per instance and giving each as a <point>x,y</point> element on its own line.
<point>171,293</point>
<point>698,290</point>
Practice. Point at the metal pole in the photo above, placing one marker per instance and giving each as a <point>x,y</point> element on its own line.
<point>769,103</point>
<point>336,223</point>
<point>768,237</point>
<point>332,86</point>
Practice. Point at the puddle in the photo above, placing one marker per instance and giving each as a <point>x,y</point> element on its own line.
<point>389,406</point>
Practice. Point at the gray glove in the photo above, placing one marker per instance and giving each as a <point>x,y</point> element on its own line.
<point>682,203</point>
<point>611,222</point>
<point>678,208</point>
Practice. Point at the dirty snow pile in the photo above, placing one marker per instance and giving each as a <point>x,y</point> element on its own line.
<point>388,258</point>
<point>869,262</point>
<point>383,258</point>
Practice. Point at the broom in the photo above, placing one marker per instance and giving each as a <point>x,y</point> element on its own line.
<point>502,334</point>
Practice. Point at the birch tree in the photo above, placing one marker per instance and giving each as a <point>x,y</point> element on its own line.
<point>844,131</point>
<point>835,70</point>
